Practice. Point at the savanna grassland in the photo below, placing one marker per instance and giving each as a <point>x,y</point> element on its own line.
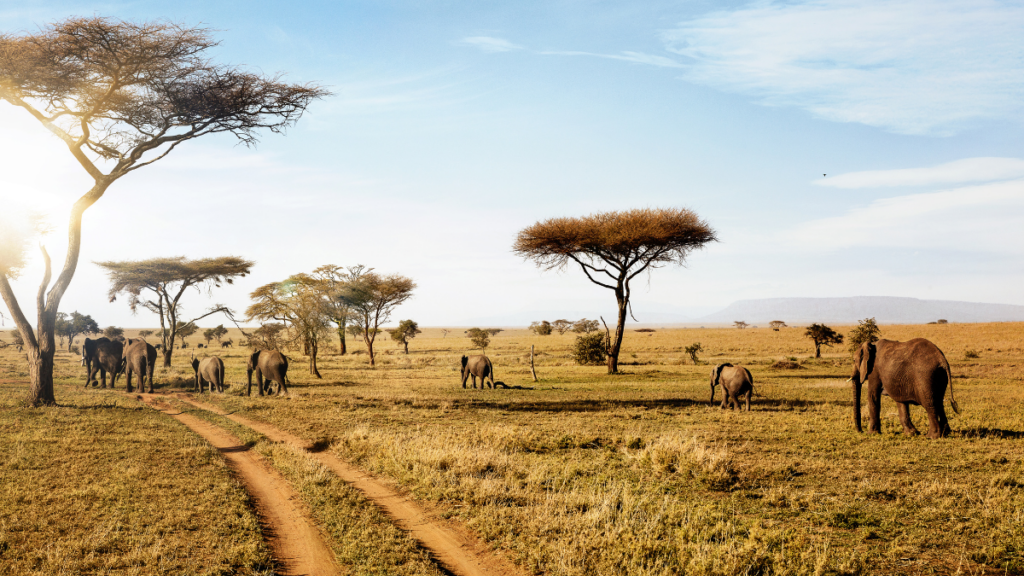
<point>579,473</point>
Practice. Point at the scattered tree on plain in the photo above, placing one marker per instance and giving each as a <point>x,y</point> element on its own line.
<point>822,336</point>
<point>217,334</point>
<point>562,326</point>
<point>113,332</point>
<point>444,332</point>
<point>373,298</point>
<point>145,333</point>
<point>776,325</point>
<point>184,330</point>
<point>613,248</point>
<point>17,340</point>
<point>866,331</point>
<point>71,325</point>
<point>589,349</point>
<point>541,328</point>
<point>297,302</point>
<point>480,338</point>
<point>268,337</point>
<point>584,326</point>
<point>336,286</point>
<point>407,330</point>
<point>495,331</point>
<point>123,95</point>
<point>693,350</point>
<point>159,283</point>
<point>740,324</point>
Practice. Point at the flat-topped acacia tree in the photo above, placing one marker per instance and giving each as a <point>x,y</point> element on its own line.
<point>121,95</point>
<point>158,284</point>
<point>613,248</point>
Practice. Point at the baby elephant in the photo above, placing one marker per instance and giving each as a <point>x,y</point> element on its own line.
<point>736,381</point>
<point>210,371</point>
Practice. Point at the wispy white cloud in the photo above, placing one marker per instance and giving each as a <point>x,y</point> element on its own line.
<point>907,66</point>
<point>490,44</point>
<point>984,218</point>
<point>957,172</point>
<point>627,56</point>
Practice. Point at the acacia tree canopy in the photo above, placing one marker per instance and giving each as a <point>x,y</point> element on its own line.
<point>373,297</point>
<point>121,95</point>
<point>821,334</point>
<point>613,248</point>
<point>71,325</point>
<point>299,303</point>
<point>159,283</point>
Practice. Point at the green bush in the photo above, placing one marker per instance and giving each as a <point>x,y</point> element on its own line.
<point>589,349</point>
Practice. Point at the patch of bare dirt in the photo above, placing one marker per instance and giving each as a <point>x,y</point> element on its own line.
<point>454,547</point>
<point>294,540</point>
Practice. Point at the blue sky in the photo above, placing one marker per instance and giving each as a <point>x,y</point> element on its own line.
<point>456,124</point>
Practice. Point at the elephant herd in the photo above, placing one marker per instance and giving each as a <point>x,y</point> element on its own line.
<point>135,356</point>
<point>915,372</point>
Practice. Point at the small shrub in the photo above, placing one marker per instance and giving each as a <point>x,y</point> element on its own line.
<point>785,365</point>
<point>589,349</point>
<point>644,330</point>
<point>969,354</point>
<point>693,350</point>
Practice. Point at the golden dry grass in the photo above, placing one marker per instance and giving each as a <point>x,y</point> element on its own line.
<point>586,473</point>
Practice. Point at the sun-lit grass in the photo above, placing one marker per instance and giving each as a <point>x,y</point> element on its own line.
<point>585,473</point>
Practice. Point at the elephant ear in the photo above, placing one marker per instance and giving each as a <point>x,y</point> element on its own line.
<point>718,373</point>
<point>254,358</point>
<point>867,360</point>
<point>465,360</point>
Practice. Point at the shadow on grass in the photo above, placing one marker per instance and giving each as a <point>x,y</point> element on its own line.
<point>980,432</point>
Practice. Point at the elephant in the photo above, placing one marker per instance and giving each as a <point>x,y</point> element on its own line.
<point>911,372</point>
<point>139,358</point>
<point>477,366</point>
<point>736,381</point>
<point>199,345</point>
<point>269,366</point>
<point>210,371</point>
<point>102,355</point>
<point>227,344</point>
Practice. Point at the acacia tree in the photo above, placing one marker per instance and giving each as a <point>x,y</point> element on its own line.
<point>479,338</point>
<point>867,330</point>
<point>121,95</point>
<point>184,330</point>
<point>336,284</point>
<point>159,283</point>
<point>562,326</point>
<point>407,330</point>
<point>822,335</point>
<point>373,298</point>
<point>776,325</point>
<point>71,325</point>
<point>113,332</point>
<point>740,324</point>
<point>613,248</point>
<point>298,303</point>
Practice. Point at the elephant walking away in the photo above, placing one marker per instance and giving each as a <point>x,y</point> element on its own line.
<point>911,372</point>
<point>736,381</point>
<point>139,358</point>
<point>477,367</point>
<point>270,367</point>
<point>102,355</point>
<point>209,371</point>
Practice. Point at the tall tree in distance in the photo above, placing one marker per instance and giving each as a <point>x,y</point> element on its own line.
<point>337,282</point>
<point>373,298</point>
<point>867,330</point>
<point>121,95</point>
<point>613,248</point>
<point>299,304</point>
<point>822,335</point>
<point>406,331</point>
<point>158,284</point>
<point>71,325</point>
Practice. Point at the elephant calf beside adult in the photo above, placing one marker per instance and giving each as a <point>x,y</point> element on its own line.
<point>912,372</point>
<point>102,355</point>
<point>139,358</point>
<point>210,371</point>
<point>736,381</point>
<point>268,366</point>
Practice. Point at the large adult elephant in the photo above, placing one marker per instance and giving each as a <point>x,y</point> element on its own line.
<point>210,371</point>
<point>102,355</point>
<point>736,381</point>
<point>270,366</point>
<point>912,372</point>
<point>139,358</point>
<point>477,367</point>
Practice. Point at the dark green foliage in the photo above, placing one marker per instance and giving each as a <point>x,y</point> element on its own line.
<point>542,328</point>
<point>407,330</point>
<point>113,332</point>
<point>590,349</point>
<point>480,338</point>
<point>71,325</point>
<point>866,331</point>
<point>822,335</point>
<point>693,350</point>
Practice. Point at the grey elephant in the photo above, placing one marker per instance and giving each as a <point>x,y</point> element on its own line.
<point>911,372</point>
<point>269,366</point>
<point>477,367</point>
<point>209,371</point>
<point>736,381</point>
<point>102,355</point>
<point>139,358</point>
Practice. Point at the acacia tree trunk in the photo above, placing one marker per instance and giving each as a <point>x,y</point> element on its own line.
<point>406,346</point>
<point>311,349</point>
<point>342,349</point>
<point>817,349</point>
<point>616,344</point>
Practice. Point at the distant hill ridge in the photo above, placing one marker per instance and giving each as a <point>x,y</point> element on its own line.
<point>884,309</point>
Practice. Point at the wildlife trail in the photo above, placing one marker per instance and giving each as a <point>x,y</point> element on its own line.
<point>455,548</point>
<point>295,542</point>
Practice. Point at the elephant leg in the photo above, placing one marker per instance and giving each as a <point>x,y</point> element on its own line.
<point>749,394</point>
<point>908,426</point>
<point>725,400</point>
<point>103,379</point>
<point>282,387</point>
<point>875,407</point>
<point>938,426</point>
<point>473,376</point>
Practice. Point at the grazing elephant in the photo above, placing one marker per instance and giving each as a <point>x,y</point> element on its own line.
<point>139,358</point>
<point>102,355</point>
<point>911,372</point>
<point>477,367</point>
<point>199,345</point>
<point>227,344</point>
<point>736,381</point>
<point>269,366</point>
<point>210,371</point>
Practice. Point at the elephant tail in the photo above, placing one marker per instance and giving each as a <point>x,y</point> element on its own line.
<point>952,400</point>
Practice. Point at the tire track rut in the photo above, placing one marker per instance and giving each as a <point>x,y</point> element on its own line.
<point>454,548</point>
<point>294,540</point>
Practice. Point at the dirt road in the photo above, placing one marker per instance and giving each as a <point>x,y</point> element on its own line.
<point>295,542</point>
<point>455,548</point>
